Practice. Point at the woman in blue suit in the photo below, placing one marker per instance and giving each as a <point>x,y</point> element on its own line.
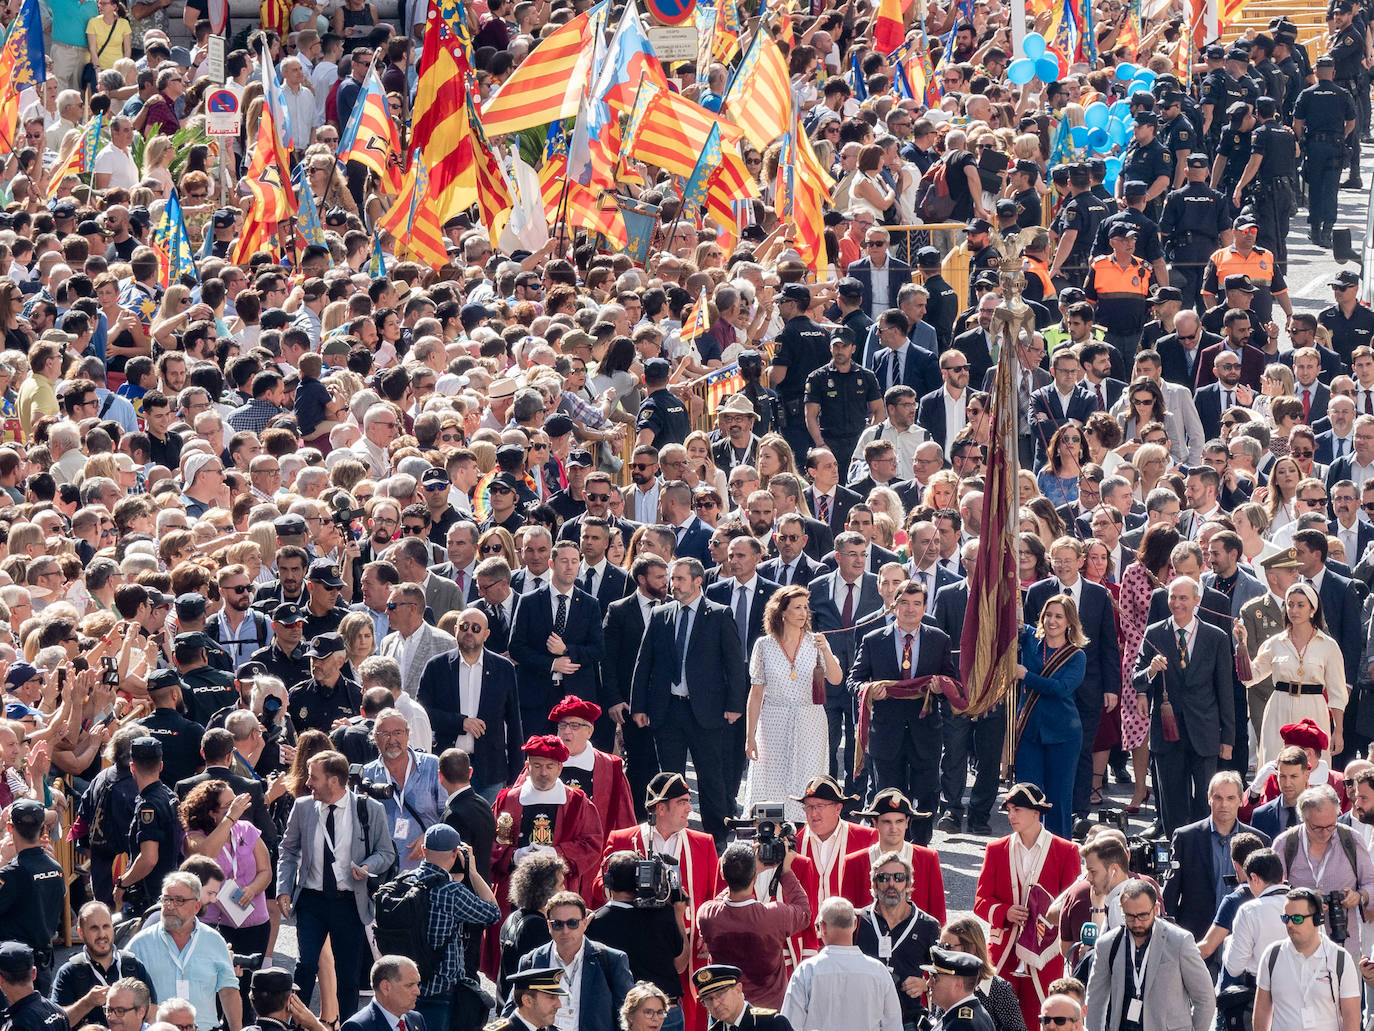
<point>1048,730</point>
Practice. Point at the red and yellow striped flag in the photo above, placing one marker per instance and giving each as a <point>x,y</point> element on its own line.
<point>440,119</point>
<point>696,322</point>
<point>274,199</point>
<point>493,195</point>
<point>543,88</point>
<point>761,94</point>
<point>413,221</point>
<point>673,133</point>
<point>889,28</point>
<point>728,29</point>
<point>370,137</point>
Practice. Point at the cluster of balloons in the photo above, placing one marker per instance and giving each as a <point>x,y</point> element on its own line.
<point>1040,61</point>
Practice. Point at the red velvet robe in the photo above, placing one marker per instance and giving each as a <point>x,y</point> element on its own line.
<point>927,883</point>
<point>994,897</point>
<point>854,837</point>
<point>610,792</point>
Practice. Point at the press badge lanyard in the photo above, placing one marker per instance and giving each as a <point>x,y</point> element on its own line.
<point>99,974</point>
<point>1317,871</point>
<point>1134,1009</point>
<point>402,828</point>
<point>886,946</point>
<point>180,960</point>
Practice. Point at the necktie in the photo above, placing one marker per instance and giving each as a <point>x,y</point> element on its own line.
<point>1369,402</point>
<point>1230,400</point>
<point>823,508</point>
<point>1101,399</point>
<point>788,572</point>
<point>906,653</point>
<point>682,619</point>
<point>1306,403</point>
<point>462,583</point>
<point>742,615</point>
<point>329,882</point>
<point>589,581</point>
<point>1292,818</point>
<point>1183,648</point>
<point>560,621</point>
<point>847,613</point>
<point>401,1024</point>
<point>1340,447</point>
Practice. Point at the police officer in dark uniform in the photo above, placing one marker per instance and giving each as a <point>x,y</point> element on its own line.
<point>1175,131</point>
<point>1324,116</point>
<point>154,833</point>
<point>718,990</point>
<point>284,656</point>
<point>190,610</point>
<point>1273,83</point>
<point>663,418</point>
<point>1347,333</point>
<point>1285,57</point>
<point>178,738</point>
<point>1222,90</point>
<point>328,695</point>
<point>1232,153</point>
<point>1007,227</point>
<point>105,809</point>
<point>205,688</point>
<point>32,892</point>
<point>1269,177</point>
<point>803,347</point>
<point>842,398</point>
<point>1147,161</point>
<point>1193,220</point>
<point>323,609</point>
<point>31,1012</point>
<point>1029,210</point>
<point>954,976</point>
<point>537,995</point>
<point>848,313</point>
<point>270,995</point>
<point>1076,229</point>
<point>1347,51</point>
<point>943,304</point>
<point>982,246</point>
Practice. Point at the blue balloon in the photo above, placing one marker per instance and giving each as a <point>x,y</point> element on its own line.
<point>1137,86</point>
<point>1079,135</point>
<point>1113,167</point>
<point>1033,46</point>
<point>1046,69</point>
<point>1118,133</point>
<point>1099,141</point>
<point>1021,71</point>
<point>1144,75</point>
<point>1125,72</point>
<point>1095,116</point>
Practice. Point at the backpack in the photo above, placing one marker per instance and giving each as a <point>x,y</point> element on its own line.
<point>402,922</point>
<point>934,203</point>
<point>1343,833</point>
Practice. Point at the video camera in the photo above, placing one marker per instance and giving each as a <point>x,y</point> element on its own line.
<point>657,879</point>
<point>766,828</point>
<point>248,960</point>
<point>343,515</point>
<point>1337,918</point>
<point>1150,857</point>
<point>361,785</point>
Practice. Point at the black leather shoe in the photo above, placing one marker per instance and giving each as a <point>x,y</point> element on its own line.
<point>950,824</point>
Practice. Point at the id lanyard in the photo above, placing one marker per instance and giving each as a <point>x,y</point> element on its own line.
<point>1134,1009</point>
<point>99,974</point>
<point>180,960</point>
<point>402,829</point>
<point>886,946</point>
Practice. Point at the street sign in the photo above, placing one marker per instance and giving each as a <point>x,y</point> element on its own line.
<point>674,43</point>
<point>671,12</point>
<point>214,60</point>
<point>222,117</point>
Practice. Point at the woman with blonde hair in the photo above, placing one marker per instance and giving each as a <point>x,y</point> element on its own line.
<point>104,464</point>
<point>265,538</point>
<point>497,542</point>
<point>1252,522</point>
<point>965,934</point>
<point>645,1008</point>
<point>1281,503</point>
<point>942,491</point>
<point>172,315</point>
<point>775,456</point>
<point>360,638</point>
<point>1151,461</point>
<point>701,464</point>
<point>158,155</point>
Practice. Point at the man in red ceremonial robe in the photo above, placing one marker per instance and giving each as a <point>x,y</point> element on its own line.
<point>892,814</point>
<point>1022,873</point>
<point>599,776</point>
<point>826,840</point>
<point>668,804</point>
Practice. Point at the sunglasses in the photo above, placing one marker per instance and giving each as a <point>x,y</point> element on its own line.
<point>1056,1021</point>
<point>1302,454</point>
<point>392,606</point>
<point>471,628</point>
<point>432,487</point>
<point>492,549</point>
<point>564,925</point>
<point>499,489</point>
<point>237,589</point>
<point>893,878</point>
<point>599,497</point>
<point>956,368</point>
<point>705,503</point>
<point>1297,919</point>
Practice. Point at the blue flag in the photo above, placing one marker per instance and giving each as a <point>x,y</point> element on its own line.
<point>377,266</point>
<point>31,68</point>
<point>308,217</point>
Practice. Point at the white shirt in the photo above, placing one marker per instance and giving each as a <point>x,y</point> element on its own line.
<point>645,504</point>
<point>300,104</point>
<point>322,79</point>
<point>598,571</point>
<point>469,695</point>
<point>841,988</point>
<point>343,837</point>
<point>421,732</point>
<point>955,415</point>
<point>566,1018</point>
<point>1075,592</point>
<point>1257,923</point>
<point>554,595</point>
<point>1190,631</point>
<point>534,581</point>
<point>118,165</point>
<point>1305,987</point>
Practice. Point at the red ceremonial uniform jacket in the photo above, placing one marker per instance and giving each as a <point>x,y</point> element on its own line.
<point>577,837</point>
<point>927,883</point>
<point>830,881</point>
<point>610,791</point>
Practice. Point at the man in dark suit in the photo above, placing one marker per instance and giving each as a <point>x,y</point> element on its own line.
<point>861,522</point>
<point>482,718</point>
<point>791,565</point>
<point>1237,341</point>
<point>1307,387</point>
<point>746,595</point>
<point>471,816</point>
<point>604,978</point>
<point>1095,357</point>
<point>880,267</point>
<point>1196,887</point>
<point>597,494</point>
<point>1209,400</point>
<point>950,397</point>
<point>904,745</point>
<point>1033,377</point>
<point>395,987</point>
<point>1102,675</point>
<point>1336,436</point>
<point>1281,811</point>
<point>688,703</point>
<point>693,535</point>
<point>841,599</point>
<point>1352,531</point>
<point>976,342</point>
<point>217,746</point>
<point>602,580</point>
<point>1064,400</point>
<point>556,643</point>
<point>900,362</point>
<point>499,601</point>
<point>623,629</point>
<point>828,500</point>
<point>1185,667</point>
<point>787,490</point>
<point>1181,351</point>
<point>881,458</point>
<point>984,736</point>
<point>1339,602</point>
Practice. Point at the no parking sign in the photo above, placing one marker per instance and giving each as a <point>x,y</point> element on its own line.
<point>222,113</point>
<point>671,12</point>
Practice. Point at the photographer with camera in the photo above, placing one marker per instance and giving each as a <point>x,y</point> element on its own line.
<point>355,738</point>
<point>737,928</point>
<point>897,933</point>
<point>1306,981</point>
<point>643,919</point>
<point>1326,856</point>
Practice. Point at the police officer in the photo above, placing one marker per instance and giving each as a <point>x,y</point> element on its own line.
<point>1323,119</point>
<point>1221,91</point>
<point>1076,227</point>
<point>1029,210</point>
<point>663,418</point>
<point>767,404</point>
<point>1270,176</point>
<point>842,398</point>
<point>205,688</point>
<point>954,976</point>
<point>190,610</point>
<point>178,737</point>
<point>802,349</point>
<point>1005,210</point>
<point>1147,161</point>
<point>27,1009</point>
<point>324,610</point>
<point>1347,52</point>
<point>32,893</point>
<point>1233,152</point>
<point>1147,245</point>
<point>718,990</point>
<point>105,809</point>
<point>1176,131</point>
<point>284,656</point>
<point>1350,323</point>
<point>982,247</point>
<point>152,835</point>
<point>327,695</point>
<point>1193,220</point>
<point>1119,284</point>
<point>1273,83</point>
<point>538,995</point>
<point>1285,57</point>
<point>277,1009</point>
<point>943,304</point>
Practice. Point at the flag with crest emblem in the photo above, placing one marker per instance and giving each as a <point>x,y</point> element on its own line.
<point>173,246</point>
<point>370,136</point>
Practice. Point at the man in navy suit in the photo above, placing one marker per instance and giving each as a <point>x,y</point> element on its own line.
<point>1064,400</point>
<point>490,732</point>
<point>1339,602</point>
<point>842,599</point>
<point>597,494</point>
<point>881,275</point>
<point>604,977</point>
<point>1181,351</point>
<point>1338,438</point>
<point>395,990</point>
<point>746,595</point>
<point>1237,341</point>
<point>688,703</point>
<point>900,362</point>
<point>791,565</point>
<point>1102,677</point>
<point>1348,527</point>
<point>693,536</point>
<point>599,578</point>
<point>934,409</point>
<point>499,601</point>
<point>904,744</point>
<point>1307,388</point>
<point>1095,358</point>
<point>828,500</point>
<point>556,643</point>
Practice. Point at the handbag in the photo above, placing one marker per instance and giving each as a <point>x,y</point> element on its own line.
<point>89,71</point>
<point>818,684</point>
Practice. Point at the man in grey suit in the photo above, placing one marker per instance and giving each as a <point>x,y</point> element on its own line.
<point>412,642</point>
<point>410,556</point>
<point>1149,973</point>
<point>1183,675</point>
<point>841,600</point>
<point>1227,575</point>
<point>334,842</point>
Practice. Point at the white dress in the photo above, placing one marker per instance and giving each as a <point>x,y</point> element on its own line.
<point>791,734</point>
<point>1322,663</point>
